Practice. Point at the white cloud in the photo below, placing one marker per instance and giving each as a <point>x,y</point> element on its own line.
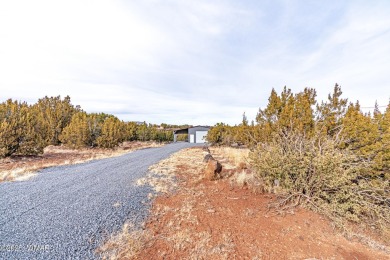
<point>50,40</point>
<point>355,56</point>
<point>352,53</point>
<point>197,62</point>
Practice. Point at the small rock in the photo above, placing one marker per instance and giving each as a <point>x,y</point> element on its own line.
<point>207,158</point>
<point>213,170</point>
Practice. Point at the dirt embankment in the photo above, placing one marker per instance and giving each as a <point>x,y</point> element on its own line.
<point>16,168</point>
<point>226,219</point>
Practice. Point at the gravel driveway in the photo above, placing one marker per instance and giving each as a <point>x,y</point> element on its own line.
<point>65,212</point>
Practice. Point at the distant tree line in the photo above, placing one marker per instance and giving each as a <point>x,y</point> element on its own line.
<point>27,129</point>
<point>328,156</point>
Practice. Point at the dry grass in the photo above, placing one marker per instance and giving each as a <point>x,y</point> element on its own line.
<point>237,158</point>
<point>243,178</point>
<point>20,168</point>
<point>210,220</point>
<point>22,173</point>
<point>237,161</point>
<point>183,222</point>
<point>126,244</point>
<point>161,176</point>
<point>183,235</point>
<point>206,249</point>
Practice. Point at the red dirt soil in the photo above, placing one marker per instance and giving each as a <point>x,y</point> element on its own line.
<point>215,220</point>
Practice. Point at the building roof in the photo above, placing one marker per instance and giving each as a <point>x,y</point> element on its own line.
<point>185,130</point>
<point>205,126</point>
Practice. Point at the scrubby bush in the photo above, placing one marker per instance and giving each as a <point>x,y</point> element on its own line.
<point>54,115</point>
<point>383,157</point>
<point>27,129</point>
<point>143,132</point>
<point>182,138</point>
<point>19,130</point>
<point>298,164</point>
<point>112,133</point>
<point>107,131</point>
<point>162,136</point>
<point>77,134</point>
<point>220,134</point>
<point>314,172</point>
<point>131,131</point>
<point>330,157</point>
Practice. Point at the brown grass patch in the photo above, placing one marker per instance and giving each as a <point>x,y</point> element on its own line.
<point>236,165</point>
<point>231,157</point>
<point>162,175</point>
<point>125,244</point>
<point>18,168</point>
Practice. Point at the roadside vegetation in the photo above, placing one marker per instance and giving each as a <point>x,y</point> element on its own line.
<point>182,137</point>
<point>53,132</point>
<point>27,129</point>
<point>20,168</point>
<point>329,157</point>
<point>195,218</point>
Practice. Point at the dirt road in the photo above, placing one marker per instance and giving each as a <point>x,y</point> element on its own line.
<point>65,212</point>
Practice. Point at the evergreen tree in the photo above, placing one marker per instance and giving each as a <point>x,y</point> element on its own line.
<point>271,113</point>
<point>287,112</point>
<point>77,134</point>
<point>220,134</point>
<point>361,136</point>
<point>330,113</point>
<point>143,132</point>
<point>18,130</point>
<point>131,131</point>
<point>244,120</point>
<point>385,143</point>
<point>95,124</point>
<point>112,133</point>
<point>56,115</point>
<point>32,142</point>
<point>303,115</point>
<point>268,118</point>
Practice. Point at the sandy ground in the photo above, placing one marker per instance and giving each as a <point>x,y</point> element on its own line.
<point>19,168</point>
<point>226,219</point>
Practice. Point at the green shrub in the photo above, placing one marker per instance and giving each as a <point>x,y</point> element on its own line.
<point>77,134</point>
<point>131,131</point>
<point>182,138</point>
<point>315,173</point>
<point>113,133</point>
<point>221,134</point>
<point>19,130</point>
<point>162,136</point>
<point>54,115</point>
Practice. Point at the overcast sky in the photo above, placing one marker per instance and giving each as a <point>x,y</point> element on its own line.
<point>196,62</point>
